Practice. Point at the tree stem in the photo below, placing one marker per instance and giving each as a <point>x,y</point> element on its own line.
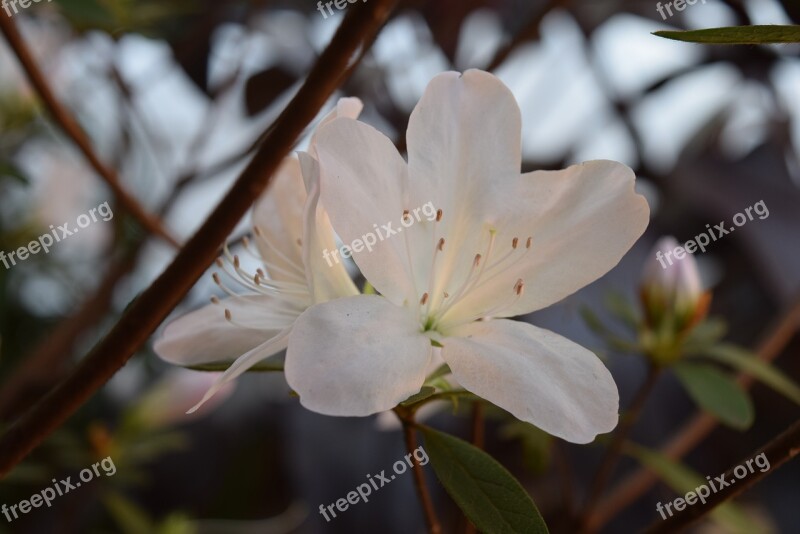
<point>419,478</point>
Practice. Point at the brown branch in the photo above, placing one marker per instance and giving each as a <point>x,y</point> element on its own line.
<point>695,430</point>
<point>478,440</point>
<point>153,305</point>
<point>778,451</point>
<point>614,450</point>
<point>67,123</point>
<point>409,433</point>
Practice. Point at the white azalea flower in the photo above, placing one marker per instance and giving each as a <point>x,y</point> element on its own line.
<point>291,231</point>
<point>503,244</point>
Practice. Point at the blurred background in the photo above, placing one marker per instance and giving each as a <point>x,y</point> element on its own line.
<point>173,94</point>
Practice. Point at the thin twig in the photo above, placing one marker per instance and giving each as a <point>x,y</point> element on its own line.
<point>65,120</point>
<point>614,450</point>
<point>778,451</point>
<point>153,305</point>
<point>692,433</point>
<point>478,441</point>
<point>409,433</point>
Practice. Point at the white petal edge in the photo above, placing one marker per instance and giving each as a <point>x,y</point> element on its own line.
<point>204,336</point>
<point>538,376</point>
<point>245,362</point>
<point>356,356</point>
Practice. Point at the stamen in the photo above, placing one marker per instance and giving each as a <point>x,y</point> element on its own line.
<point>424,299</point>
<point>514,243</point>
<point>406,215</point>
<point>528,243</point>
<point>439,214</point>
<point>441,244</point>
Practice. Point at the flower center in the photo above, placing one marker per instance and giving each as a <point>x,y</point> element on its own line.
<point>293,290</point>
<point>495,261</point>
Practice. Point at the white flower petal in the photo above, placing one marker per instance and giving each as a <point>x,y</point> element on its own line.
<point>356,356</point>
<point>204,336</point>
<point>582,221</point>
<point>363,187</point>
<point>537,375</point>
<point>244,362</point>
<point>278,214</point>
<point>327,279</point>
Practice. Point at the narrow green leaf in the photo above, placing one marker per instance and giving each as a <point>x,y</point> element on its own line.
<point>716,393</point>
<point>12,171</point>
<point>747,362</point>
<point>485,491</point>
<point>704,335</point>
<point>736,35</point>
<point>683,480</point>
<point>263,367</point>
<point>423,394</point>
<point>619,305</point>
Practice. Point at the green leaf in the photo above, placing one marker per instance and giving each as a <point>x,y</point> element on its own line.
<point>491,498</point>
<point>736,35</point>
<point>623,310</point>
<point>747,362</point>
<point>263,367</point>
<point>683,480</point>
<point>716,393</point>
<point>10,170</point>
<point>704,335</point>
<point>423,394</point>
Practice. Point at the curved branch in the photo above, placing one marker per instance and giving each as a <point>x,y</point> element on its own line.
<point>67,123</point>
<point>146,312</point>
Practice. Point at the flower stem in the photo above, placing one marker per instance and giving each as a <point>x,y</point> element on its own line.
<point>614,450</point>
<point>419,476</point>
<point>478,441</point>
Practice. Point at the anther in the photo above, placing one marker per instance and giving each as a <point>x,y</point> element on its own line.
<point>406,215</point>
<point>477,261</point>
<point>519,286</point>
<point>299,242</point>
<point>220,263</point>
<point>236,261</point>
<point>441,244</point>
<point>446,294</point>
<point>228,315</point>
<point>424,299</point>
<point>528,242</point>
<point>439,214</point>
<point>215,277</point>
<point>514,242</point>
<point>214,300</point>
